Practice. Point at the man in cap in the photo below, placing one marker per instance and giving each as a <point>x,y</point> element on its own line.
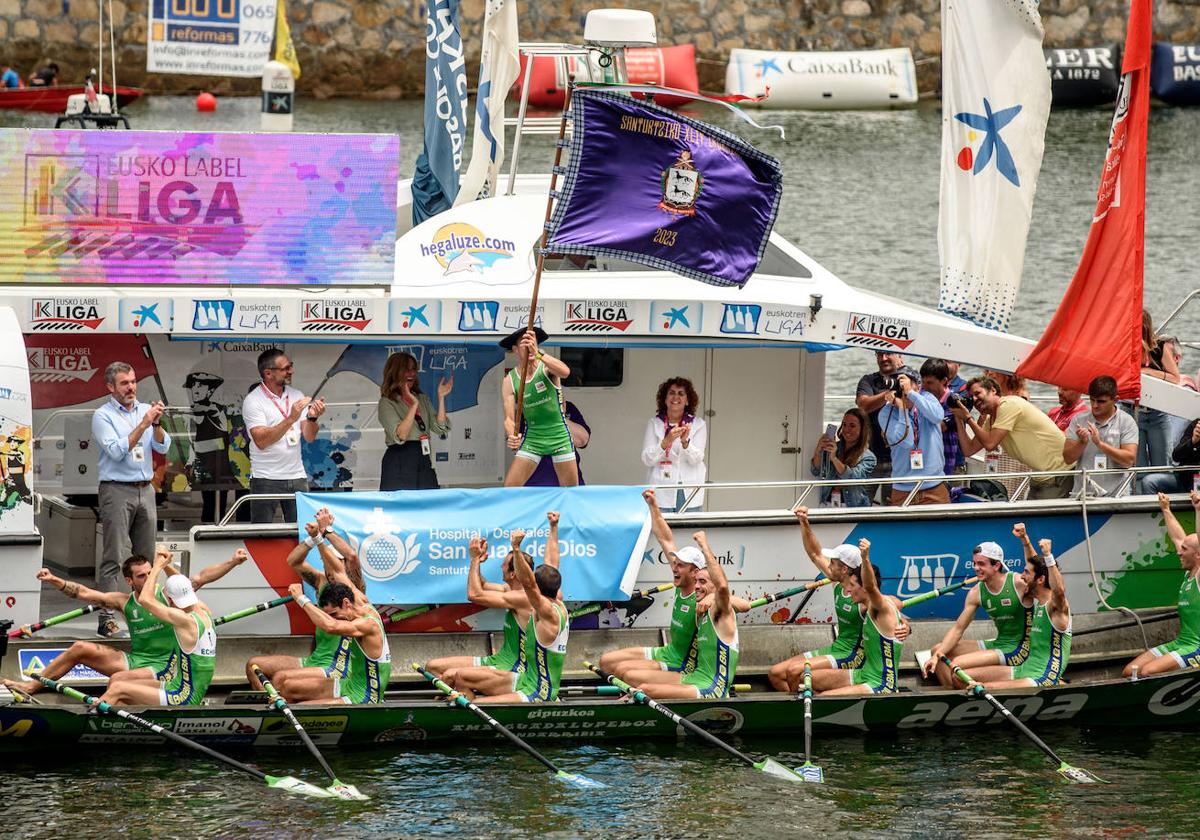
<point>1004,596</point>
<point>847,649</point>
<point>151,641</point>
<point>543,410</point>
<point>664,663</point>
<point>195,646</point>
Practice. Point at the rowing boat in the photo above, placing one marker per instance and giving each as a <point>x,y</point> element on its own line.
<point>1167,701</point>
<point>53,100</point>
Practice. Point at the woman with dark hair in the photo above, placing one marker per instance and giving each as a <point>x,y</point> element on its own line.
<point>408,421</point>
<point>849,457</point>
<point>1154,426</point>
<point>673,448</point>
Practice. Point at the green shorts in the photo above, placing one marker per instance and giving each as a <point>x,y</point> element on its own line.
<point>501,661</point>
<point>1013,653</point>
<point>162,666</point>
<point>1185,652</point>
<point>665,656</point>
<point>840,656</point>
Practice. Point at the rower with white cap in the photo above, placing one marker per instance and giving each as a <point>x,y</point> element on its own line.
<point>666,662</point>
<point>195,641</point>
<point>847,649</point>
<point>1003,595</point>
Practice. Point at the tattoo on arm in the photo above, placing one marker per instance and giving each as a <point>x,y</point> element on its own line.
<point>310,578</point>
<point>71,589</point>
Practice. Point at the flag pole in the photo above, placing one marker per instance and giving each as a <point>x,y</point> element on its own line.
<point>541,259</point>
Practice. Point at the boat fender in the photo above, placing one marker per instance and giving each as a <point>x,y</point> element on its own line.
<point>1175,73</point>
<point>1083,76</point>
<point>673,66</point>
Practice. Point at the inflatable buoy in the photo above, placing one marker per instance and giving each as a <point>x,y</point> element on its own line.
<point>1175,73</point>
<point>665,66</point>
<point>823,80</point>
<point>205,101</point>
<point>1083,76</point>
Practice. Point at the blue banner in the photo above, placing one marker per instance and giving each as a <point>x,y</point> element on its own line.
<point>649,185</point>
<point>413,544</point>
<point>435,182</point>
<point>468,364</point>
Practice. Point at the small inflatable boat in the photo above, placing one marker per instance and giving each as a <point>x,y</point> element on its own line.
<point>824,80</point>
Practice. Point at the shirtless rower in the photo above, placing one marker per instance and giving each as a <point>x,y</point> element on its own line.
<point>716,638</point>
<point>546,632</point>
<point>1003,596</point>
<point>195,645</point>
<point>497,674</point>
<point>847,649</point>
<point>1184,650</point>
<point>343,610</point>
<point>151,642</point>
<point>881,621</point>
<point>678,654</point>
<point>330,655</point>
<point>1050,638</point>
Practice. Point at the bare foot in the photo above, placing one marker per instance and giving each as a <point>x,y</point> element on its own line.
<point>31,687</point>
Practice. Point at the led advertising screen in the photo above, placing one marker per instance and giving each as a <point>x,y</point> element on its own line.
<point>162,207</point>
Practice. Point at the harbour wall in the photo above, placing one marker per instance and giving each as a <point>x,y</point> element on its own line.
<point>375,48</point>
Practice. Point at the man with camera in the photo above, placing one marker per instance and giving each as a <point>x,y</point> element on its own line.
<point>1027,434</point>
<point>870,398</point>
<point>911,424</point>
<point>935,380</point>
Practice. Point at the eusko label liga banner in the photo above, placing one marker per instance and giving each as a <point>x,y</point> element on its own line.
<point>197,208</point>
<point>413,544</point>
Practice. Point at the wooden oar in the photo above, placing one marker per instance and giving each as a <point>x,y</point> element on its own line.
<point>288,783</point>
<point>257,608</point>
<point>599,605</point>
<point>809,771</point>
<point>339,788</point>
<point>767,765</point>
<point>576,779</point>
<point>403,614</point>
<point>1071,774</point>
<point>30,629</point>
<point>937,593</point>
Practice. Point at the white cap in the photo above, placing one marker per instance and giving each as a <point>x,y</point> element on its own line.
<point>848,554</point>
<point>179,590</point>
<point>991,550</point>
<point>691,554</point>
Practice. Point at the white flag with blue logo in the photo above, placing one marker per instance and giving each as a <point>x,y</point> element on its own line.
<point>995,103</point>
<point>499,65</point>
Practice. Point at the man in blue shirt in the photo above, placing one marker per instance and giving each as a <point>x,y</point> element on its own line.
<point>125,432</point>
<point>911,425</point>
<point>9,77</point>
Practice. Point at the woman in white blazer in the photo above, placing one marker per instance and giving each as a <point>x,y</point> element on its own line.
<point>673,448</point>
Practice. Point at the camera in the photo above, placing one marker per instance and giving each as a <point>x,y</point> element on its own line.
<point>955,400</point>
<point>893,384</point>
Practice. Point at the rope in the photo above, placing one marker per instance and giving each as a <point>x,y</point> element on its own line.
<point>1087,538</point>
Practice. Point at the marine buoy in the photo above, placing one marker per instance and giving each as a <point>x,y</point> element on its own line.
<point>205,101</point>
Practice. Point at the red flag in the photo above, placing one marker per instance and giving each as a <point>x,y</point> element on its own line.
<point>1097,328</point>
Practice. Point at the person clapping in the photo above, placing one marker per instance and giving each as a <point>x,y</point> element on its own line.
<point>674,444</point>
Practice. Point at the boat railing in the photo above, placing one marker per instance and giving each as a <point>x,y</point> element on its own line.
<point>1161,328</point>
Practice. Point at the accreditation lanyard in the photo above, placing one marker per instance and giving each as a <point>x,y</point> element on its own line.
<point>916,458</point>
<point>284,409</point>
<point>137,452</point>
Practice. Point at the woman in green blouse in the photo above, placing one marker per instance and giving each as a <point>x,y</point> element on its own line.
<point>408,421</point>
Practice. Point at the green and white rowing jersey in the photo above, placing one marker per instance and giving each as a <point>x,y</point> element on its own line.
<point>151,642</point>
<point>511,656</point>
<point>1012,618</point>
<point>368,677</point>
<point>544,663</point>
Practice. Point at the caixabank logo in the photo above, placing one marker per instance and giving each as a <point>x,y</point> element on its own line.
<point>336,316</point>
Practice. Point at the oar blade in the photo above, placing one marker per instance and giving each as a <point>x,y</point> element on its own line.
<point>341,790</point>
<point>773,768</point>
<point>578,780</point>
<point>810,772</point>
<point>293,785</point>
<point>1079,776</point>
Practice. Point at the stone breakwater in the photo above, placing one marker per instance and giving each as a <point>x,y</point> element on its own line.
<point>375,48</point>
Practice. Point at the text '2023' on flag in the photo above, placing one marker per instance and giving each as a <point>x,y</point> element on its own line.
<point>651,186</point>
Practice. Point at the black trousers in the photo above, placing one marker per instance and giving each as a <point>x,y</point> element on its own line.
<point>405,467</point>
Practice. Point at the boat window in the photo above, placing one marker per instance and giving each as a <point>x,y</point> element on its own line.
<point>775,261</point>
<point>593,367</point>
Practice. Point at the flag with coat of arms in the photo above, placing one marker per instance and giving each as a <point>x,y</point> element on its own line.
<point>995,104</point>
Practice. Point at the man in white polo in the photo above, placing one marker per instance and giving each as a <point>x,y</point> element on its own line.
<point>277,416</point>
<point>126,433</point>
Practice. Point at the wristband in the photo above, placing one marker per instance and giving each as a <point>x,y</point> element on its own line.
<point>310,418</point>
<point>302,601</point>
<point>1050,561</point>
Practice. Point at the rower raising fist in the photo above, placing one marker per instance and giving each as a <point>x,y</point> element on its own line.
<point>1044,545</point>
<point>1019,531</point>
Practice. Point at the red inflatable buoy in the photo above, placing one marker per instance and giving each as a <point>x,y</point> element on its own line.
<point>666,66</point>
<point>206,102</point>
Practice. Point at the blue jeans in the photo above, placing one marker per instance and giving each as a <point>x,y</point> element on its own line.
<point>1154,438</point>
<point>1172,482</point>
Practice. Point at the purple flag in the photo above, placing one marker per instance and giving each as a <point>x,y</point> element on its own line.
<point>649,185</point>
